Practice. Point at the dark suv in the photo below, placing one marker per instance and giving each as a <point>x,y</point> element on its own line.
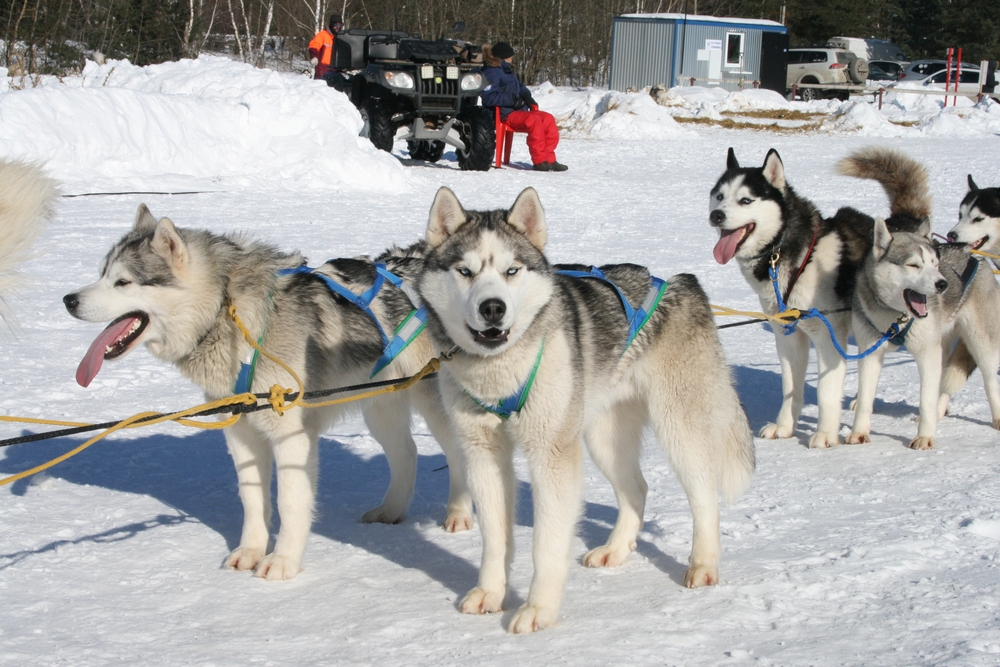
<point>431,88</point>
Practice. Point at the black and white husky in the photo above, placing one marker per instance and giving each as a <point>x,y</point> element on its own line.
<point>170,288</point>
<point>766,226</point>
<point>979,220</point>
<point>934,295</point>
<point>544,360</point>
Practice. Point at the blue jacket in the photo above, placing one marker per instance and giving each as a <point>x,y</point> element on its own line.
<point>504,88</point>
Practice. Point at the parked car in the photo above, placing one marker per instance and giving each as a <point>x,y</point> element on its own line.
<point>878,77</point>
<point>824,66</point>
<point>893,68</point>
<point>919,70</point>
<point>968,82</point>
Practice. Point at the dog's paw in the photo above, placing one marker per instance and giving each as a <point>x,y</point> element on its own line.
<point>383,514</point>
<point>701,575</point>
<point>244,558</point>
<point>457,521</point>
<point>823,440</point>
<point>996,424</point>
<point>277,568</point>
<point>478,601</point>
<point>858,438</point>
<point>606,556</point>
<point>774,432</point>
<point>531,619</point>
<point>922,442</point>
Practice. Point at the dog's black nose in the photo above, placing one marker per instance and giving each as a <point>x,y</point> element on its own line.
<point>492,310</point>
<point>717,217</point>
<point>71,301</point>
<point>941,285</point>
<point>952,237</point>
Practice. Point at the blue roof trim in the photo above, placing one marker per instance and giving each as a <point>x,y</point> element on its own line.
<point>711,24</point>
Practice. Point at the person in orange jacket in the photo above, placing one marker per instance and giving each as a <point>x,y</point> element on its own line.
<point>321,49</point>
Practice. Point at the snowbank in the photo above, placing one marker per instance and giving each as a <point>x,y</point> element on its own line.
<point>603,114</point>
<point>209,123</point>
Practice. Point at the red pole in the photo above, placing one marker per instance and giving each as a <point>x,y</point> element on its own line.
<point>947,76</point>
<point>958,76</point>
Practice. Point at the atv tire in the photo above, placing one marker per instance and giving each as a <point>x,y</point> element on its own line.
<point>428,151</point>
<point>378,123</point>
<point>478,132</point>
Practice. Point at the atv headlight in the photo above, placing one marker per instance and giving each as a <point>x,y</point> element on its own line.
<point>472,81</point>
<point>401,80</point>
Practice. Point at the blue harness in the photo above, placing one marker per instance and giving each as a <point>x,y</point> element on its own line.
<point>404,334</point>
<point>637,318</point>
<point>894,334</point>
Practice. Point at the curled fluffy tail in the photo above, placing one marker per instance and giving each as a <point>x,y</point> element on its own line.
<point>26,200</point>
<point>903,178</point>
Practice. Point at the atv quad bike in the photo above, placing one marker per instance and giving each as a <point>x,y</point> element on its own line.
<point>431,88</point>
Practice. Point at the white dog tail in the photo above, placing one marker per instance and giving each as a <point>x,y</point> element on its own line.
<point>739,456</point>
<point>26,201</point>
<point>903,178</point>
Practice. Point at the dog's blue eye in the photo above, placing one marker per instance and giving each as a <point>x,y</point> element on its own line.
<point>745,201</point>
<point>122,282</point>
<point>465,272</point>
<point>512,270</point>
<point>718,197</point>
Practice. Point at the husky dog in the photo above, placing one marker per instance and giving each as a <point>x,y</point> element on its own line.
<point>558,348</point>
<point>764,224</point>
<point>934,294</point>
<point>170,288</point>
<point>978,219</point>
<point>26,200</point>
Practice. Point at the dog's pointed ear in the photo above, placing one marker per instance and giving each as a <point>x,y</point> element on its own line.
<point>925,227</point>
<point>168,244</point>
<point>774,170</point>
<point>447,215</point>
<point>882,239</point>
<point>528,217</point>
<point>144,220</point>
<point>972,184</point>
<point>731,161</point>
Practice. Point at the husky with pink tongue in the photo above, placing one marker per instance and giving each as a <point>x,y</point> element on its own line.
<point>170,289</point>
<point>936,295</point>
<point>764,223</point>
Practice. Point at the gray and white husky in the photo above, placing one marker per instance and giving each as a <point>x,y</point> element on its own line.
<point>27,197</point>
<point>935,294</point>
<point>763,223</point>
<point>542,361</point>
<point>170,288</point>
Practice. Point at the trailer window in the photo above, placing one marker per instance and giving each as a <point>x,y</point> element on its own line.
<point>734,49</point>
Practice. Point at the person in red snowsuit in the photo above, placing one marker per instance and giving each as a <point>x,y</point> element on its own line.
<point>321,48</point>
<point>518,109</point>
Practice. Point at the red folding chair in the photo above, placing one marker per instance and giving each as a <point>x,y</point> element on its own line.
<point>505,138</point>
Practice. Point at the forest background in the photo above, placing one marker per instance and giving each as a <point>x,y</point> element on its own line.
<point>566,42</point>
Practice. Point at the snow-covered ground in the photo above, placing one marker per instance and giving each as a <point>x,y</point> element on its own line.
<point>861,555</point>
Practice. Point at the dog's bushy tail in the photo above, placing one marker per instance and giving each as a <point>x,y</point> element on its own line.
<point>26,200</point>
<point>903,179</point>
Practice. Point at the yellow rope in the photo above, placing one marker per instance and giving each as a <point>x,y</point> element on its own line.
<point>276,399</point>
<point>154,418</point>
<point>783,317</point>
<point>986,254</point>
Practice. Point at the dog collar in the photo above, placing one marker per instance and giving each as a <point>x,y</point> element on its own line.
<point>403,335</point>
<point>513,403</point>
<point>637,317</point>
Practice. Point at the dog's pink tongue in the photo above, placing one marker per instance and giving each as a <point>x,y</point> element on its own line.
<point>92,361</point>
<point>919,304</point>
<point>726,247</point>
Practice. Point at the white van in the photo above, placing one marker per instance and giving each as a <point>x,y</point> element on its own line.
<point>869,49</point>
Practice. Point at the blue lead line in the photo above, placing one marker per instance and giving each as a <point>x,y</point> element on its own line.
<point>789,329</point>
